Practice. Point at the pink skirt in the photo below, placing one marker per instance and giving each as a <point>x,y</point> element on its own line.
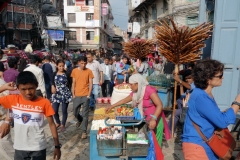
<point>193,151</point>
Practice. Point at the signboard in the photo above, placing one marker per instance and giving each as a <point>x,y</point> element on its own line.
<point>135,3</point>
<point>54,21</point>
<point>129,27</point>
<point>56,35</point>
<point>96,39</point>
<point>136,27</point>
<point>104,9</point>
<point>80,2</point>
<point>81,8</point>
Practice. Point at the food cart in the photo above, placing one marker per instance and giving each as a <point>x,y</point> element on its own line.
<point>121,121</point>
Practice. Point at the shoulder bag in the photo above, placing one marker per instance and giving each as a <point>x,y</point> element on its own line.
<point>222,143</point>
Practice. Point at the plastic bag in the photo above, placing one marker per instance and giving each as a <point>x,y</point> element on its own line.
<point>151,152</point>
<point>137,114</point>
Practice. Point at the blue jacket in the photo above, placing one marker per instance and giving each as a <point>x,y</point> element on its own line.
<point>203,110</point>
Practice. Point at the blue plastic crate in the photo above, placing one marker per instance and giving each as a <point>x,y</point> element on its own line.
<point>110,147</point>
<point>166,97</point>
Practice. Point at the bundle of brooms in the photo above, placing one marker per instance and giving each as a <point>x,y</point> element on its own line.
<point>138,48</point>
<point>181,45</point>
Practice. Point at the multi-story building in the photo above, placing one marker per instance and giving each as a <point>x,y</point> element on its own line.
<point>185,12</point>
<point>90,21</point>
<point>143,16</point>
<point>18,20</point>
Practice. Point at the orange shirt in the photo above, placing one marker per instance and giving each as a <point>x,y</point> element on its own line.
<point>82,81</point>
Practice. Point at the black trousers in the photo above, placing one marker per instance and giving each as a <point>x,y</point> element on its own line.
<point>30,155</point>
<point>106,88</point>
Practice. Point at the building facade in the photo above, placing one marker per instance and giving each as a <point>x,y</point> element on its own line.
<point>90,23</point>
<point>185,12</point>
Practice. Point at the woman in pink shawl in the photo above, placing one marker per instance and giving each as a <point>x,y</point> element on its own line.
<point>145,97</point>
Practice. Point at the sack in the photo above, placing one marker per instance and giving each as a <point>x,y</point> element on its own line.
<point>119,94</point>
<point>222,143</point>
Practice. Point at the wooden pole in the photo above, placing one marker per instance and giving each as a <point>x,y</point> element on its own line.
<point>174,100</point>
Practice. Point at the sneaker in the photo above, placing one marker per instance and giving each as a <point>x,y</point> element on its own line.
<point>78,124</point>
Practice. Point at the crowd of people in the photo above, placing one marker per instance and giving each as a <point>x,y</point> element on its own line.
<point>38,86</point>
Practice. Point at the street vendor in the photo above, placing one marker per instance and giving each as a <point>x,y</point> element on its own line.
<point>144,97</point>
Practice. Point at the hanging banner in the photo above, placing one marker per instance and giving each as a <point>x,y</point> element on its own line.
<point>80,2</point>
<point>136,27</point>
<point>104,9</point>
<point>129,27</point>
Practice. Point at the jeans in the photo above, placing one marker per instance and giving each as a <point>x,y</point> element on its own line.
<point>2,39</point>
<point>94,95</point>
<point>30,155</point>
<point>177,114</point>
<point>106,88</point>
<point>82,116</point>
<point>6,146</point>
<point>48,91</point>
<point>64,112</point>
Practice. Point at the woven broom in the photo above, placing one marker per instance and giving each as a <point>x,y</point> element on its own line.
<point>138,48</point>
<point>181,45</point>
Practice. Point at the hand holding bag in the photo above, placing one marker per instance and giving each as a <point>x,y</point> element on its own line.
<point>222,143</point>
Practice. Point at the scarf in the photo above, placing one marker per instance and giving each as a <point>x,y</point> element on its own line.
<point>137,98</point>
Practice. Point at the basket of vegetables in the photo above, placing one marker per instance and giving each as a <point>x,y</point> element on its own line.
<point>124,112</point>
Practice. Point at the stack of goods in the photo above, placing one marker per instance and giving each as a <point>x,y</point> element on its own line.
<point>100,113</point>
<point>120,91</point>
<point>138,48</point>
<point>123,86</point>
<point>96,124</point>
<point>124,110</point>
<point>136,138</point>
<point>162,80</point>
<point>109,133</point>
<point>105,100</point>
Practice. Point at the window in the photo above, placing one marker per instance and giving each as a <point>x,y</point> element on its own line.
<point>89,16</point>
<point>9,16</point>
<point>154,12</point>
<point>72,35</point>
<point>71,17</point>
<point>211,16</point>
<point>89,2</point>
<point>71,2</point>
<point>89,35</point>
<point>18,1</point>
<point>165,6</point>
<point>29,18</point>
<point>192,21</point>
<point>146,34</point>
<point>24,35</point>
<point>18,18</point>
<point>146,17</point>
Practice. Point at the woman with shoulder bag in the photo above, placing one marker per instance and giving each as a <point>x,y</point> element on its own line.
<point>204,118</point>
<point>61,94</point>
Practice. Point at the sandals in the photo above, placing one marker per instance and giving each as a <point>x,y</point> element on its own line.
<point>84,135</point>
<point>57,126</point>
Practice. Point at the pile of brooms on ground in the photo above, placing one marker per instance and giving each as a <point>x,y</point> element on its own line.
<point>178,45</point>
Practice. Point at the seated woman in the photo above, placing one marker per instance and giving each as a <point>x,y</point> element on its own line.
<point>203,110</point>
<point>145,97</point>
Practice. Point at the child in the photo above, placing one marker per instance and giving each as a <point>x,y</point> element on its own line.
<point>60,94</point>
<point>28,113</point>
<point>122,67</point>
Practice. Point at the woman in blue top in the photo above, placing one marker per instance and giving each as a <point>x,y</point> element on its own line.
<point>203,110</point>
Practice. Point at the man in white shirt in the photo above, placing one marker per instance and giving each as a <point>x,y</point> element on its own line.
<point>107,76</point>
<point>96,68</point>
<point>33,67</point>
